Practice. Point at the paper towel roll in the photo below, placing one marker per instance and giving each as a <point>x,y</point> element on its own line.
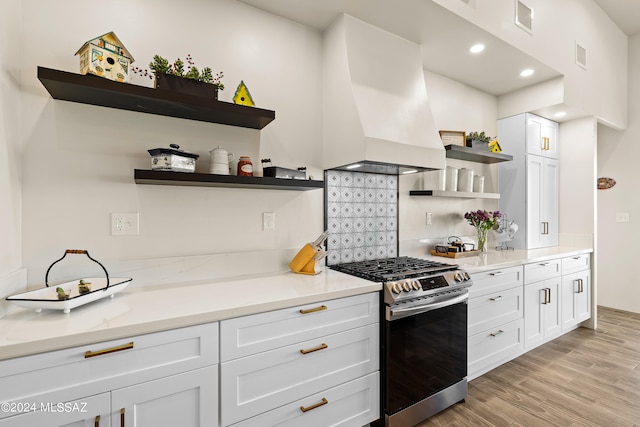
<point>452,179</point>
<point>465,180</point>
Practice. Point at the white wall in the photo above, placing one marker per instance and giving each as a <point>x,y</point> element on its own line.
<point>79,159</point>
<point>455,106</point>
<point>618,153</point>
<point>10,135</point>
<point>601,90</point>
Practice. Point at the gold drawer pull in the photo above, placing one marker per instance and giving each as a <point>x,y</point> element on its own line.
<point>498,298</point>
<point>495,334</point>
<point>97,422</point>
<point>311,350</point>
<point>313,310</point>
<point>308,408</point>
<point>89,354</point>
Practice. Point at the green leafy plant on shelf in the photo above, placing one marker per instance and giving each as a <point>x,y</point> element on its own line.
<point>161,65</point>
<point>482,137</point>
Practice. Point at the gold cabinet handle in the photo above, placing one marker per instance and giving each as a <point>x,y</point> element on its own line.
<point>122,417</point>
<point>308,408</point>
<point>495,334</point>
<point>97,422</point>
<point>496,273</point>
<point>311,350</point>
<point>313,310</point>
<point>89,354</point>
<point>499,297</point>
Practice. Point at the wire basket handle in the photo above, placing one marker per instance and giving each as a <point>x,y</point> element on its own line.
<point>80,252</point>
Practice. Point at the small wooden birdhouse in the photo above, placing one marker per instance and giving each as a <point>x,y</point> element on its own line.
<point>106,56</point>
<point>242,95</point>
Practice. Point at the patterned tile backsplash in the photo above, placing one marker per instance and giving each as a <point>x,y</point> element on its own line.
<point>361,216</point>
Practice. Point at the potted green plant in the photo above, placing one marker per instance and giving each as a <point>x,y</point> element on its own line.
<point>191,81</point>
<point>475,139</point>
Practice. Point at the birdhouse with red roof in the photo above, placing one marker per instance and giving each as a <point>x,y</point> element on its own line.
<point>106,56</point>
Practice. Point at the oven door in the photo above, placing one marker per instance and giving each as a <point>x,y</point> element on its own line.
<point>425,352</point>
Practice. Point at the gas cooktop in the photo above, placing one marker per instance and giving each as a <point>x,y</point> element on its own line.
<point>384,270</point>
<point>407,278</point>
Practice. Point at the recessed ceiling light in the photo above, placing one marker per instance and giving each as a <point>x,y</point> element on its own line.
<point>560,114</point>
<point>526,73</point>
<point>477,48</point>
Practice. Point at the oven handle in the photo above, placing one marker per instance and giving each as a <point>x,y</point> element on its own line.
<point>404,312</point>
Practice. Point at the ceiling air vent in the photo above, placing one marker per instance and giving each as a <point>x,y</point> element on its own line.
<point>524,16</point>
<point>581,56</point>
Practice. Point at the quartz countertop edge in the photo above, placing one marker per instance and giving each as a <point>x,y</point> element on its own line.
<point>144,310</point>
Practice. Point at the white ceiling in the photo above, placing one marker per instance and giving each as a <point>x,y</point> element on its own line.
<point>445,38</point>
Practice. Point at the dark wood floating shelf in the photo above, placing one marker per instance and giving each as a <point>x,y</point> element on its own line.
<point>143,176</point>
<point>474,155</point>
<point>93,90</point>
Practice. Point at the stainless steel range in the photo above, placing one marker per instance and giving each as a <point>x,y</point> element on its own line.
<point>424,335</point>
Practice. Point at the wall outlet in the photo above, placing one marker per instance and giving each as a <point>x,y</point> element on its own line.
<point>622,217</point>
<point>125,224</point>
<point>429,218</point>
<point>268,221</point>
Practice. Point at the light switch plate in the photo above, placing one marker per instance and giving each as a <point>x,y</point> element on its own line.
<point>622,217</point>
<point>125,223</point>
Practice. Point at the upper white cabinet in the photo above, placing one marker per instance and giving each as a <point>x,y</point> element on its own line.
<point>529,183</point>
<point>542,136</point>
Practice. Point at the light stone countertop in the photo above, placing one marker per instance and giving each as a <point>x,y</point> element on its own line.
<point>136,311</point>
<point>142,310</point>
<point>493,259</point>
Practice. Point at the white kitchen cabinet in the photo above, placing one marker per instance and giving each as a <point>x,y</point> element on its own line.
<point>542,303</point>
<point>178,366</point>
<point>495,319</point>
<point>529,184</point>
<point>541,136</point>
<point>576,291</point>
<point>281,363</point>
<point>189,399</point>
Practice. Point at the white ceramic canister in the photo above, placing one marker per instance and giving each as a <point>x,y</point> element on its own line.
<point>434,180</point>
<point>220,159</point>
<point>478,184</point>
<point>465,180</point>
<point>451,179</point>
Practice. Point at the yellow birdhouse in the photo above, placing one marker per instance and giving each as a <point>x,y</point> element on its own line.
<point>106,56</point>
<point>242,95</point>
<point>494,146</point>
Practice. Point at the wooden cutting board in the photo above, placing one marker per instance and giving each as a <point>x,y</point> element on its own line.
<point>455,254</point>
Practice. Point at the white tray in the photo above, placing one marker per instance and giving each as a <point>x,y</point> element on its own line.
<point>48,297</point>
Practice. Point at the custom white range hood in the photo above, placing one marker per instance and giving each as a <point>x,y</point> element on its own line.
<point>377,116</point>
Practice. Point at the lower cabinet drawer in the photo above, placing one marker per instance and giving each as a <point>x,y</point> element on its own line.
<point>542,270</point>
<point>72,373</point>
<point>489,311</point>
<point>259,383</point>
<point>576,263</point>
<point>490,348</point>
<point>487,282</point>
<point>355,403</point>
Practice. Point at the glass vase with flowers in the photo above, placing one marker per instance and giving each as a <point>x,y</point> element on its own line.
<point>483,221</point>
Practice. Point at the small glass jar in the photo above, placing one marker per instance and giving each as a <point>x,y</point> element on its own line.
<point>245,167</point>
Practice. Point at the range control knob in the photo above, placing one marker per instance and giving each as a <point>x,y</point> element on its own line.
<point>395,288</point>
<point>466,276</point>
<point>458,276</point>
<point>415,285</point>
<point>406,286</point>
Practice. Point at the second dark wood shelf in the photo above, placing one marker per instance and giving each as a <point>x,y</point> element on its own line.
<point>143,176</point>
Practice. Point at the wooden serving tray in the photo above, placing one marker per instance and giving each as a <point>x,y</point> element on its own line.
<point>455,254</point>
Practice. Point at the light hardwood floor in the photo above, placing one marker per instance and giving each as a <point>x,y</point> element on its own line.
<point>583,378</point>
